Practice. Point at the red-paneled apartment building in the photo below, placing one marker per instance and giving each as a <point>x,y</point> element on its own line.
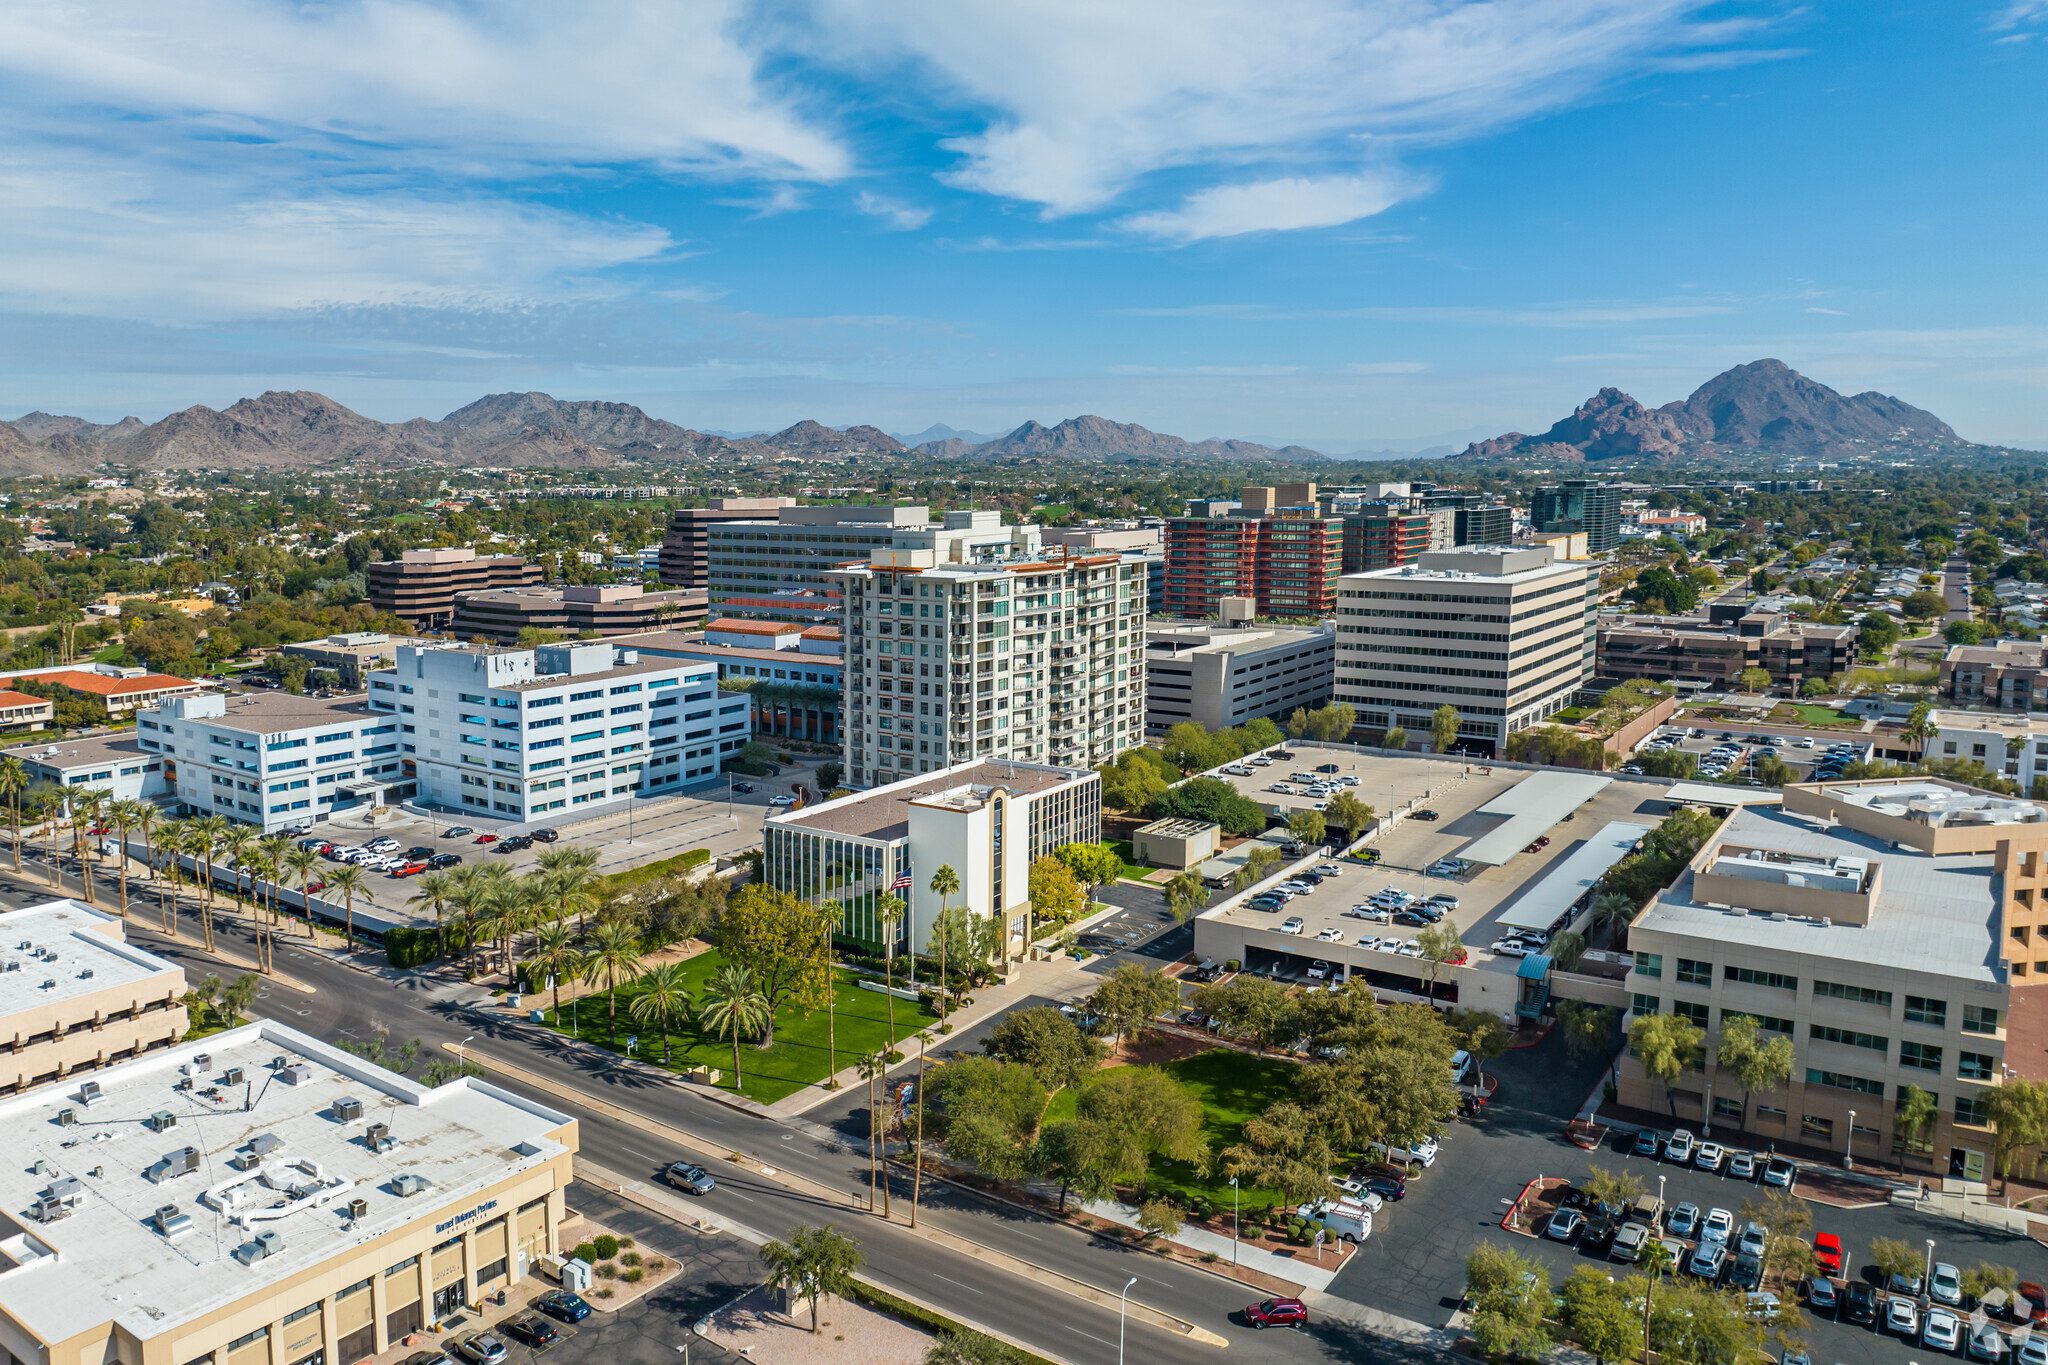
<point>1276,547</point>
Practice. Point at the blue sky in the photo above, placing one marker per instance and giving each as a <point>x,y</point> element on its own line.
<point>1343,224</point>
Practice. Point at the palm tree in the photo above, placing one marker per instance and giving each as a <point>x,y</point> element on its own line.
<point>874,1068</point>
<point>434,891</point>
<point>14,780</point>
<point>303,862</point>
<point>169,838</point>
<point>830,913</point>
<point>238,845</point>
<point>556,954</point>
<point>889,909</point>
<point>86,805</point>
<point>48,802</point>
<point>924,1041</point>
<point>195,841</point>
<point>520,907</point>
<point>945,885</point>
<point>348,880</point>
<point>614,956</point>
<point>276,851</point>
<point>215,829</point>
<point>664,997</point>
<point>730,1003</point>
<point>123,813</point>
<point>145,820</point>
<point>567,890</point>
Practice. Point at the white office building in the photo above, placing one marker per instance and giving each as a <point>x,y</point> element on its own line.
<point>1039,659</point>
<point>1503,634</point>
<point>518,734</point>
<point>1219,677</point>
<point>271,759</point>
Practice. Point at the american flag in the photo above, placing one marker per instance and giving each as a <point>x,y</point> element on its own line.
<point>902,882</point>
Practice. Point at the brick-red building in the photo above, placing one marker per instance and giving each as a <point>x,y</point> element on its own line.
<point>1287,562</point>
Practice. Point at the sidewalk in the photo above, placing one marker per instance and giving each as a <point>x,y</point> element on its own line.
<point>1303,1271</point>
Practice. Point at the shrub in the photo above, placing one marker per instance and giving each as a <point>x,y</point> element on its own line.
<point>628,1242</point>
<point>656,1263</point>
<point>695,857</point>
<point>633,1276</point>
<point>604,1293</point>
<point>1233,965</point>
<point>585,1252</point>
<point>630,1258</point>
<point>607,1271</point>
<point>607,1246</point>
<point>405,948</point>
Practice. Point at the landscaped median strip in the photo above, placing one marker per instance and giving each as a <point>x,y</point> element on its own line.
<point>715,1151</point>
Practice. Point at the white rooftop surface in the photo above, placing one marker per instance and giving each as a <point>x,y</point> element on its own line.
<point>1938,804</point>
<point>1540,906</point>
<point>112,1264</point>
<point>66,931</point>
<point>1531,807</point>
<point>1932,914</point>
<point>1712,794</point>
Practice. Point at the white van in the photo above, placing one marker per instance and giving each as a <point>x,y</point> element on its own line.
<point>1461,1066</point>
<point>1346,1220</point>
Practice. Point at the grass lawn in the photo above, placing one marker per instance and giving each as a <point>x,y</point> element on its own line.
<point>1232,1087</point>
<point>798,1058</point>
<point>1122,849</point>
<point>1818,715</point>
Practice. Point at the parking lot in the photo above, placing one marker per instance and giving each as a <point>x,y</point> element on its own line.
<point>1803,753</point>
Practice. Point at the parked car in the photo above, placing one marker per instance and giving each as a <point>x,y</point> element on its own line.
<point>536,1332</point>
<point>2034,1350</point>
<point>1278,1313</point>
<point>1709,1261</point>
<point>1291,925</point>
<point>1986,1342</point>
<point>444,859</point>
<point>781,801</point>
<point>1945,1285</point>
<point>1647,1140</point>
<point>1716,1226</point>
<point>560,1303</point>
<point>1427,815</point>
<point>1901,1316</point>
<point>1629,1241</point>
<point>1780,1171</point>
<point>1565,1224</point>
<point>485,838</point>
<point>2032,1303</point>
<point>1678,1147</point>
<point>1684,1220</point>
<point>1859,1302</point>
<point>1742,1165</point>
<point>1755,1237</point>
<point>1827,1253</point>
<point>1821,1294</point>
<point>1599,1234</point>
<point>1709,1156</point>
<point>482,1349</point>
<point>1747,1273</point>
<point>685,1176</point>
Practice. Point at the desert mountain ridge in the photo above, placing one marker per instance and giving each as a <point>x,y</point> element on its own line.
<point>1763,405</point>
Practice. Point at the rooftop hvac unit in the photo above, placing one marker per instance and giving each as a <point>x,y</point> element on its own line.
<point>377,1137</point>
<point>264,1244</point>
<point>357,1208</point>
<point>174,1164</point>
<point>184,1083</point>
<point>12,966</point>
<point>90,1093</point>
<point>202,1060</point>
<point>49,983</point>
<point>66,1117</point>
<point>407,1185</point>
<point>85,975</point>
<point>172,1221</point>
<point>263,1144</point>
<point>160,1120</point>
<point>234,1076</point>
<point>298,1073</point>
<point>347,1109</point>
<point>23,946</point>
<point>279,1062</point>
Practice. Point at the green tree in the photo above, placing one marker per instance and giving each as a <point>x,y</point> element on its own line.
<point>1601,1314</point>
<point>348,880</point>
<point>1923,604</point>
<point>1307,826</point>
<point>730,1004</point>
<point>1130,996</point>
<point>614,957</point>
<point>1443,727</point>
<point>1669,1045</point>
<point>1146,1114</point>
<point>1094,864</point>
<point>1287,1148</point>
<point>775,936</point>
<point>1481,1033</point>
<point>1877,634</point>
<point>1895,1258</point>
<point>1258,865</point>
<point>1509,1298</point>
<point>2019,1120</point>
<point>1691,1322</point>
<point>988,1110</point>
<point>1753,1060</point>
<point>1395,738</point>
<point>1614,1189</point>
<point>1915,1117</point>
<point>1439,945</point>
<point>1346,812</point>
<point>1567,949</point>
<point>1192,748</point>
<point>1055,893</point>
<point>664,999</point>
<point>1048,1042</point>
<point>1081,1155</point>
<point>813,1262</point>
<point>1250,1007</point>
<point>1186,894</point>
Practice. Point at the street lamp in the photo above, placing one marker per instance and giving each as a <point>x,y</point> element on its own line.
<point>1660,1192</point>
<point>1233,1220</point>
<point>1927,1278</point>
<point>1850,1145</point>
<point>458,1053</point>
<point>1120,1319</point>
<point>1707,1113</point>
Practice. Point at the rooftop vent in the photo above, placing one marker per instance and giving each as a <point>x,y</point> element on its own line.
<point>171,1221</point>
<point>160,1120</point>
<point>263,1144</point>
<point>90,1093</point>
<point>377,1137</point>
<point>66,1117</point>
<point>233,1076</point>
<point>347,1109</point>
<point>1779,916</point>
<point>298,1073</point>
<point>85,975</point>
<point>49,983</point>
<point>202,1060</point>
<point>357,1208</point>
<point>407,1185</point>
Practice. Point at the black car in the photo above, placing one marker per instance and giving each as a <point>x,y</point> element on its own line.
<point>419,851</point>
<point>1282,755</point>
<point>1413,920</point>
<point>1427,815</point>
<point>1598,1238</point>
<point>1327,768</point>
<point>560,1303</point>
<point>1574,1198</point>
<point>1860,1303</point>
<point>444,860</point>
<point>743,788</point>
<point>547,836</point>
<point>514,844</point>
<point>456,831</point>
<point>535,1331</point>
<point>1748,1273</point>
<point>1386,1187</point>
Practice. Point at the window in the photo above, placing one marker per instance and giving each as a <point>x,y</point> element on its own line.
<point>1691,973</point>
<point>1973,1109</point>
<point>1727,1108</point>
<point>1750,977</point>
<point>1650,964</point>
<point>1841,1081</point>
<point>1920,1010</point>
<point>1862,995</point>
<point>305,1312</point>
<point>1813,1127</point>
<point>1849,1038</point>
<point>1644,1005</point>
<point>1685,1009</point>
<point>1769,1113</point>
<point>624,688</point>
<point>1768,1023</point>
<point>1980,1019</point>
<point>586,696</point>
<point>1975,1066</point>
<point>1921,1056</point>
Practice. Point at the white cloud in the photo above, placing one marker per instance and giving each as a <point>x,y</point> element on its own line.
<point>2017,13</point>
<point>1273,205</point>
<point>902,217</point>
<point>1083,99</point>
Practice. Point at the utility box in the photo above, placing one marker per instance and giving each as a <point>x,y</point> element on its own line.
<point>160,1120</point>
<point>567,1271</point>
<point>347,1109</point>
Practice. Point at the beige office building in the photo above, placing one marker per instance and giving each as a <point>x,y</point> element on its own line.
<point>1888,929</point>
<point>75,996</point>
<point>260,1198</point>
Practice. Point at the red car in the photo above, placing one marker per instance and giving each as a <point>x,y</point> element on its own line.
<point>1278,1313</point>
<point>316,888</point>
<point>1827,1254</point>
<point>487,838</point>
<point>2033,1303</point>
<point>1459,959</point>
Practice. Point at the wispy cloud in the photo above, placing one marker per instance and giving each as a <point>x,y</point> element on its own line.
<point>1274,206</point>
<point>902,217</point>
<point>2017,14</point>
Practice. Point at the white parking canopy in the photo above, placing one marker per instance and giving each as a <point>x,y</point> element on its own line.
<point>1545,902</point>
<point>1531,807</point>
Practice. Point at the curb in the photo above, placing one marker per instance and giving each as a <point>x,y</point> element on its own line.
<point>1509,1217</point>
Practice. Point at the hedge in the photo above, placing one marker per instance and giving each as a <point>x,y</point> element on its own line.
<point>695,857</point>
<point>410,947</point>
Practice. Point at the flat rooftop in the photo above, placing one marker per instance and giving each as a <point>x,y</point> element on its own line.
<point>1932,914</point>
<point>62,951</point>
<point>82,752</point>
<point>1937,804</point>
<point>884,813</point>
<point>1713,794</point>
<point>111,1263</point>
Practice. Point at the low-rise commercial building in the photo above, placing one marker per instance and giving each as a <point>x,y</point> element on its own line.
<point>1717,653</point>
<point>2007,675</point>
<point>274,760</point>
<point>987,821</point>
<point>420,586</point>
<point>1888,929</point>
<point>270,1200</point>
<point>1175,842</point>
<point>790,673</point>
<point>1505,635</point>
<point>120,689</point>
<point>517,734</point>
<point>1219,677</point>
<point>352,656</point>
<point>76,996</point>
<point>499,614</point>
<point>119,764</point>
<point>2015,746</point>
<point>20,711</point>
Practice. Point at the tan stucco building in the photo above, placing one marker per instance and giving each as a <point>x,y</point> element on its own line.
<point>74,996</point>
<point>260,1198</point>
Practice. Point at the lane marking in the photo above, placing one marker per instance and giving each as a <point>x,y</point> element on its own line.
<point>1090,1335</point>
<point>955,1283</point>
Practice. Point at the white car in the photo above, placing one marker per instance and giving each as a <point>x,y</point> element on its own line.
<point>1410,949</point>
<point>1719,1223</point>
<point>1710,1156</point>
<point>1510,948</point>
<point>1678,1147</point>
<point>1262,762</point>
<point>1942,1332</point>
<point>1282,788</point>
<point>1292,925</point>
<point>1379,914</point>
<point>1331,936</point>
<point>1330,869</point>
<point>1946,1285</point>
<point>1448,902</point>
<point>2034,1350</point>
<point>1318,969</point>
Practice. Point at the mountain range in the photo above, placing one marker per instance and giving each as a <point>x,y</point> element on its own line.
<point>1765,405</point>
